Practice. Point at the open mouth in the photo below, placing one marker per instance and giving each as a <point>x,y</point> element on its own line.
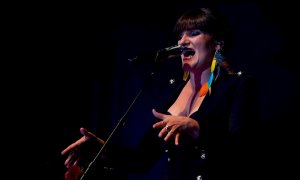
<point>188,52</point>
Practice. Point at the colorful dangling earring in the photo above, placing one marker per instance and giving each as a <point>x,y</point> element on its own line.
<point>206,87</point>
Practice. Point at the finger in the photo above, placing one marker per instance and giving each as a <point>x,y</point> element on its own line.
<point>171,131</point>
<point>88,134</point>
<point>68,162</point>
<point>159,124</point>
<point>71,160</point>
<point>159,115</point>
<point>84,132</point>
<point>169,135</point>
<point>177,139</point>
<point>74,145</point>
<point>162,132</point>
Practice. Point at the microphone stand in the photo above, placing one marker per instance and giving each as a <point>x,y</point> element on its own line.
<point>122,119</point>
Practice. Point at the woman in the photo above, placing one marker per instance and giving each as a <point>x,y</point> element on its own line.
<point>204,128</point>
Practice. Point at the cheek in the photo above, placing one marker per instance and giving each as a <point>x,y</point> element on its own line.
<point>203,50</point>
<point>203,42</point>
<point>202,57</point>
<point>202,45</point>
<point>201,54</point>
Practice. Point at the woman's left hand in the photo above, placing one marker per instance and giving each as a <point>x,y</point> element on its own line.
<point>175,126</point>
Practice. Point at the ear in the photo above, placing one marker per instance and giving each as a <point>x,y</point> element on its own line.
<point>219,45</point>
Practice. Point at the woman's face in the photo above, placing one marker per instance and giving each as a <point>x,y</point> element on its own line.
<point>199,49</point>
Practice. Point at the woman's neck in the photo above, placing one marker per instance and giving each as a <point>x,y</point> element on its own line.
<point>198,78</point>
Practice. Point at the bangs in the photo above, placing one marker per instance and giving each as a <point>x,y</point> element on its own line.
<point>201,19</point>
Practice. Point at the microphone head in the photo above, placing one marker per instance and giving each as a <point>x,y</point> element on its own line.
<point>159,56</point>
<point>174,48</point>
<point>170,52</point>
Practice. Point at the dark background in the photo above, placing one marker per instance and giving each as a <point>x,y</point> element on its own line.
<point>70,70</point>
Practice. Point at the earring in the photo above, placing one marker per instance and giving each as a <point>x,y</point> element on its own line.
<point>185,75</point>
<point>206,87</point>
<point>219,57</point>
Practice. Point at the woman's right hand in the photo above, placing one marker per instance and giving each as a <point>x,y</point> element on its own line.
<point>75,153</point>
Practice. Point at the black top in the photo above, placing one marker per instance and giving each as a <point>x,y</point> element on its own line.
<point>225,147</point>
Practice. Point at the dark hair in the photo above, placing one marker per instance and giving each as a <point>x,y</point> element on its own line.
<point>206,20</point>
<point>210,21</point>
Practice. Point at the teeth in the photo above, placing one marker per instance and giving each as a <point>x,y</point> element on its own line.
<point>188,57</point>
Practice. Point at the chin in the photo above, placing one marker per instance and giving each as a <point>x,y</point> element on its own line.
<point>186,67</point>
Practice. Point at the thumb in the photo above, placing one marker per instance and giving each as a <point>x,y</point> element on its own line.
<point>158,114</point>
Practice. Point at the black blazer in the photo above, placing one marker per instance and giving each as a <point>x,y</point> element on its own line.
<point>225,147</point>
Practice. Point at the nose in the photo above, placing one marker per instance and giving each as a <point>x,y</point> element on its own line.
<point>184,41</point>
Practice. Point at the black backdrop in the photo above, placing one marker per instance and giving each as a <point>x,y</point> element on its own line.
<point>73,71</point>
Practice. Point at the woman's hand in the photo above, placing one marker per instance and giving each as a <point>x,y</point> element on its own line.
<point>175,126</point>
<point>75,153</point>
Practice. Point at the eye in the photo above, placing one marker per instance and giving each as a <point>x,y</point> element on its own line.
<point>189,33</point>
<point>195,32</point>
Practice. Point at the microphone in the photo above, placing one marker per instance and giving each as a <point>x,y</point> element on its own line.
<point>160,56</point>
